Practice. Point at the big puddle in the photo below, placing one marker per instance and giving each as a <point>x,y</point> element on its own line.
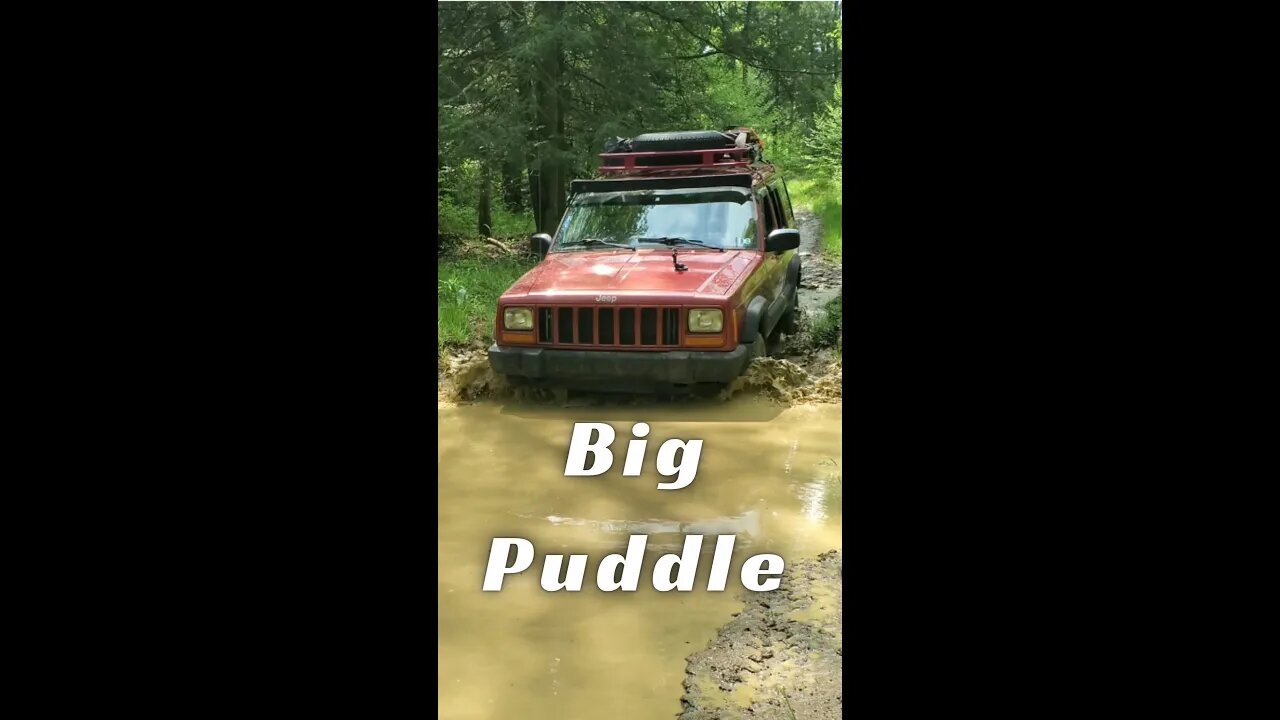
<point>768,474</point>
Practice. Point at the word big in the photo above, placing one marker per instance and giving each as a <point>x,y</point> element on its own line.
<point>602,458</point>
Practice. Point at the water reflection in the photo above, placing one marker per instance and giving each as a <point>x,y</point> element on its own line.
<point>815,495</point>
<point>746,526</point>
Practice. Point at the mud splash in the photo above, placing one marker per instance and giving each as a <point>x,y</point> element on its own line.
<point>468,377</point>
<point>785,381</point>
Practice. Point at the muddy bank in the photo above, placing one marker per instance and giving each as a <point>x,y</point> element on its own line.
<point>781,657</point>
<point>467,376</point>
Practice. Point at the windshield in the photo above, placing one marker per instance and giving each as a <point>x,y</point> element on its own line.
<point>722,218</point>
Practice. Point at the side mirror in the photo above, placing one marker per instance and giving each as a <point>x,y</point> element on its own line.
<point>541,243</point>
<point>782,239</point>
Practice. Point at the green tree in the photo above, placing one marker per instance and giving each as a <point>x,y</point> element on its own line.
<point>529,92</point>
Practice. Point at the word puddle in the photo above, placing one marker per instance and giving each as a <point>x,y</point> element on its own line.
<point>618,572</point>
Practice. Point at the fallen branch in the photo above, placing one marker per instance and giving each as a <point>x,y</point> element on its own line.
<point>499,245</point>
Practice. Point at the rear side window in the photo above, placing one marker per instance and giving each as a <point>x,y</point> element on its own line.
<point>769,209</point>
<point>776,198</point>
<point>786,202</point>
<point>774,201</point>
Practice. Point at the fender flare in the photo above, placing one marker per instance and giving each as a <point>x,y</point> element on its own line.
<point>793,274</point>
<point>751,319</point>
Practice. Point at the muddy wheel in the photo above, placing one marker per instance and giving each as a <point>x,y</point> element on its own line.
<point>789,323</point>
<point>758,348</point>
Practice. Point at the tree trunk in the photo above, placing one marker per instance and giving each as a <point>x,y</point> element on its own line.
<point>535,202</point>
<point>512,193</point>
<point>529,91</point>
<point>507,159</point>
<point>550,182</point>
<point>484,217</point>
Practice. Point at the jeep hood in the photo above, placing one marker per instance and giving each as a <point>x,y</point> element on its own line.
<point>647,270</point>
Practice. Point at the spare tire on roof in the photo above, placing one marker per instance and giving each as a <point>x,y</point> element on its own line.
<point>685,140</point>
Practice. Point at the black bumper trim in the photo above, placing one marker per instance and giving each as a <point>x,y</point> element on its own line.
<point>674,367</point>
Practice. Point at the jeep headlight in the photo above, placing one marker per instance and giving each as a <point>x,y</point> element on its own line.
<point>706,320</point>
<point>517,319</point>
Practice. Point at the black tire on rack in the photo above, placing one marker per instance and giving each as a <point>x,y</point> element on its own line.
<point>685,140</point>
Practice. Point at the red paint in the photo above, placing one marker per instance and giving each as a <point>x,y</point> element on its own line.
<point>646,275</point>
<point>643,277</point>
<point>609,277</point>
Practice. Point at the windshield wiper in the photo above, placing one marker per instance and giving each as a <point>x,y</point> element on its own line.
<point>594,241</point>
<point>672,242</point>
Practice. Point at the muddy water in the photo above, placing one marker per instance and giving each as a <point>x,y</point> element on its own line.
<point>770,475</point>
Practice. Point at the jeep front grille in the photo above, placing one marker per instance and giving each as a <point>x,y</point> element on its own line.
<point>610,326</point>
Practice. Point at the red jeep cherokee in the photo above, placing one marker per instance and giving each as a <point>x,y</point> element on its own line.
<point>669,270</point>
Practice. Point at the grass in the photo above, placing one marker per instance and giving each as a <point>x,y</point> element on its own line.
<point>790,710</point>
<point>467,296</point>
<point>469,285</point>
<point>460,221</point>
<point>824,199</point>
<point>826,327</point>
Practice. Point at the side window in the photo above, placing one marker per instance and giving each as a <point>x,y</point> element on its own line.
<point>769,211</point>
<point>786,200</point>
<point>776,201</point>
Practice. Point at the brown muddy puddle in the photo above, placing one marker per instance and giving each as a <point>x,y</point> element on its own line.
<point>770,475</point>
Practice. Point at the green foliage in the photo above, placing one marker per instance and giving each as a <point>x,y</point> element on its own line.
<point>508,224</point>
<point>456,217</point>
<point>830,211</point>
<point>822,197</point>
<point>466,295</point>
<point>620,69</point>
<point>823,149</point>
<point>826,328</point>
<point>454,221</point>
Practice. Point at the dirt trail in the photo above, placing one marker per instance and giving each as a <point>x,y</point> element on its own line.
<point>820,279</point>
<point>781,658</point>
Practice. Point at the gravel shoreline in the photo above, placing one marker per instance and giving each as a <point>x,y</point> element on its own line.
<point>781,657</point>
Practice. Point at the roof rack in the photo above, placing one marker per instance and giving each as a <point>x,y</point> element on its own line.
<point>657,182</point>
<point>678,159</point>
<point>742,149</point>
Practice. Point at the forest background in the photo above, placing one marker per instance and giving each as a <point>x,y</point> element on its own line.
<point>528,93</point>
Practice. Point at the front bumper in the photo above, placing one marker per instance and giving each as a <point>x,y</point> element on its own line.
<point>674,367</point>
